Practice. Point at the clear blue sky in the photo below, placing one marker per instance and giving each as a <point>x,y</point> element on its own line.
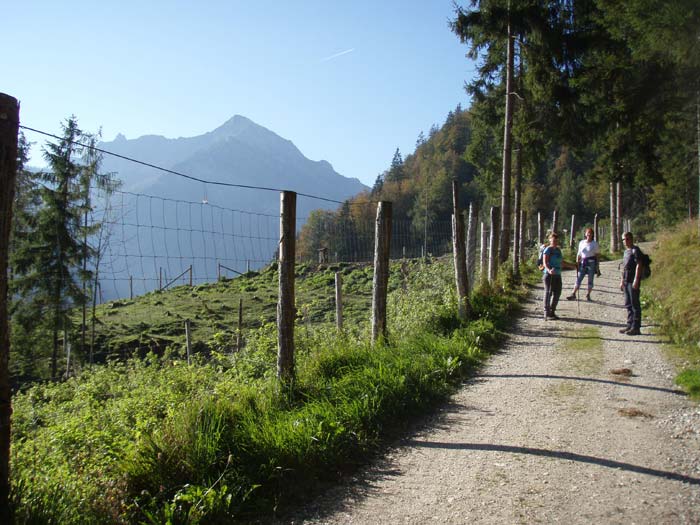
<point>347,82</point>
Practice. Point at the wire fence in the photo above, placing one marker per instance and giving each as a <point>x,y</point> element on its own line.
<point>146,242</point>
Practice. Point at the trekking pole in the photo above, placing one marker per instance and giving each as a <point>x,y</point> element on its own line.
<point>578,304</point>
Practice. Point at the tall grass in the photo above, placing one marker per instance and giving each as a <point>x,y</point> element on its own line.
<point>674,293</point>
<point>157,441</point>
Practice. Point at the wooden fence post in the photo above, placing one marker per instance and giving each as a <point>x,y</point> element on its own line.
<point>188,340</point>
<point>339,301</point>
<point>483,268</point>
<point>572,235</point>
<point>382,243</point>
<point>595,228</point>
<point>618,214</point>
<point>540,229</point>
<point>493,244</point>
<point>286,311</point>
<point>555,221</point>
<point>131,287</point>
<point>517,229</point>
<point>239,333</point>
<point>9,128</point>
<point>459,254</point>
<point>523,233</point>
<point>190,276</point>
<point>471,245</point>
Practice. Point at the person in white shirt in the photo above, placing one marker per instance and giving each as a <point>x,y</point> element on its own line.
<point>586,259</point>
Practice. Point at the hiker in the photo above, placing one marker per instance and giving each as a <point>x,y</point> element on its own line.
<point>553,261</point>
<point>587,263</point>
<point>631,278</point>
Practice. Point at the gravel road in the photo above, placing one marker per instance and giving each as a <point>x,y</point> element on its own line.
<point>571,422</point>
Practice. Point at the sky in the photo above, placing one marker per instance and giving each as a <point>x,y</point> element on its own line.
<point>346,81</point>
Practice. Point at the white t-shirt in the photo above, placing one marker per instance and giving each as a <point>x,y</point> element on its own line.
<point>588,249</point>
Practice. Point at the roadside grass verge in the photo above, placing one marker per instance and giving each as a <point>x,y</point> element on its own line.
<point>153,440</point>
<point>673,298</point>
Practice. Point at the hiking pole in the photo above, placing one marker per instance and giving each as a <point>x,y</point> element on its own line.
<point>578,304</point>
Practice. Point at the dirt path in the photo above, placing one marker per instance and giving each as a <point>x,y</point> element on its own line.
<point>545,433</point>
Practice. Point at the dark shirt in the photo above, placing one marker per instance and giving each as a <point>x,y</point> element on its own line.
<point>629,264</point>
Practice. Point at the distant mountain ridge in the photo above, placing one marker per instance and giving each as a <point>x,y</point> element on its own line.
<point>239,152</point>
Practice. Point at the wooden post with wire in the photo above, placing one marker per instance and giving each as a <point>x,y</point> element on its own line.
<point>339,301</point>
<point>493,243</point>
<point>572,235</point>
<point>9,128</point>
<point>523,233</point>
<point>483,251</point>
<point>380,282</point>
<point>471,245</point>
<point>595,229</point>
<point>286,311</point>
<point>459,254</point>
<point>239,332</point>
<point>188,340</point>
<point>190,276</point>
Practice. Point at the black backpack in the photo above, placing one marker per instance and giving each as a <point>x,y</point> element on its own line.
<point>645,261</point>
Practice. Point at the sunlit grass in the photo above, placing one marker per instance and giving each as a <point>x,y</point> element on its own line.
<point>674,297</point>
<point>154,440</point>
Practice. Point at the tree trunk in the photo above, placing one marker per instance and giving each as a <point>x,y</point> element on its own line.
<point>9,127</point>
<point>507,139</point>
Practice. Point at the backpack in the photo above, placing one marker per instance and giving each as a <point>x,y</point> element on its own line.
<point>540,257</point>
<point>645,261</point>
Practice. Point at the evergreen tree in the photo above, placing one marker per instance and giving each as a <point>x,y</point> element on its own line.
<point>49,266</point>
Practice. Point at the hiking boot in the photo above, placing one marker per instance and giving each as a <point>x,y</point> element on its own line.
<point>634,331</point>
<point>553,316</point>
<point>625,330</point>
<point>571,297</point>
<point>588,297</point>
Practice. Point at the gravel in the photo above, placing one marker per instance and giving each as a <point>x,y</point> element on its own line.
<point>553,429</point>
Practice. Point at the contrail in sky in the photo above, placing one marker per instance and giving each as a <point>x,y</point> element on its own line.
<point>338,55</point>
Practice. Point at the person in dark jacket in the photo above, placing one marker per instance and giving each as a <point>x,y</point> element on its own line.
<point>631,278</point>
<point>553,262</point>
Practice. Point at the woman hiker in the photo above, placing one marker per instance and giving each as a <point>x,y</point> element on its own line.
<point>553,262</point>
<point>587,260</point>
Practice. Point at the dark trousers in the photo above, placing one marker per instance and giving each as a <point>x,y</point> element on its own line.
<point>552,292</point>
<point>634,307</point>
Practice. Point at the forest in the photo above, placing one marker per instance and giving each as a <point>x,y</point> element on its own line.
<point>599,93</point>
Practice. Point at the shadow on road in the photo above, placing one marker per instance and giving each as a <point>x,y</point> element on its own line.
<point>570,456</point>
<point>576,378</point>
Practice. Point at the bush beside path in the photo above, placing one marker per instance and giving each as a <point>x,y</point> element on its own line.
<point>571,422</point>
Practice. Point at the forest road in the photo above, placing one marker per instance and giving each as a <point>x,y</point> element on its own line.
<point>550,430</point>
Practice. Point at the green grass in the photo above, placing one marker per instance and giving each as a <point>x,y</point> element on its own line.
<point>153,440</point>
<point>583,350</point>
<point>672,298</point>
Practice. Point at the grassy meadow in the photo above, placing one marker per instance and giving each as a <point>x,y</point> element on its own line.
<point>150,439</point>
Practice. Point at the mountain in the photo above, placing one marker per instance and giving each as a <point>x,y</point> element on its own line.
<point>239,151</point>
<point>161,224</point>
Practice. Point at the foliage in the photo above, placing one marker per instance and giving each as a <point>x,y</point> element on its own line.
<point>674,292</point>
<point>154,440</point>
<point>50,249</point>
